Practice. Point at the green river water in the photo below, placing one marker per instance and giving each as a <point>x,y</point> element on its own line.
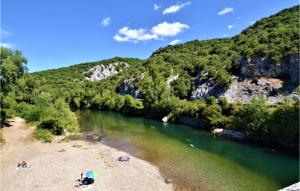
<point>208,164</point>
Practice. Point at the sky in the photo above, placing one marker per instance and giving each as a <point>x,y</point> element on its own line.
<point>58,33</point>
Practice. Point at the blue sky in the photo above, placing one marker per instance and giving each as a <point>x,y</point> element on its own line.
<point>57,33</point>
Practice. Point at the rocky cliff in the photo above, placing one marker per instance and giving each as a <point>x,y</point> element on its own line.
<point>263,67</point>
<point>259,77</point>
<point>101,72</point>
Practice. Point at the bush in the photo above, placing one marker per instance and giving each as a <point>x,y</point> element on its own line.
<point>251,118</point>
<point>43,135</point>
<point>284,125</point>
<point>52,126</point>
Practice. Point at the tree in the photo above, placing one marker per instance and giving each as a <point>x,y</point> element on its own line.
<point>12,67</point>
<point>251,118</point>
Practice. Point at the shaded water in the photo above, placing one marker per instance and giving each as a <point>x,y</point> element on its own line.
<point>211,164</point>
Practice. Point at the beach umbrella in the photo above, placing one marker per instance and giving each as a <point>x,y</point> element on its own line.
<point>91,174</point>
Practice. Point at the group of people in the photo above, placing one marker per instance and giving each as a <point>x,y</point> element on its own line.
<point>123,158</point>
<point>85,180</point>
<point>23,164</point>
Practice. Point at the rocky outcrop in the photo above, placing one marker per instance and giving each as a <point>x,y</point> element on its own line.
<point>244,91</point>
<point>104,71</point>
<point>294,68</point>
<point>165,119</point>
<point>259,78</point>
<point>229,133</point>
<point>293,187</point>
<point>263,67</point>
<point>206,89</point>
<point>127,88</point>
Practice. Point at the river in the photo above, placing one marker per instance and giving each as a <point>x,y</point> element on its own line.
<point>193,159</point>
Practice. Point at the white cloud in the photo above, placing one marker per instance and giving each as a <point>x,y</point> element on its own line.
<point>226,10</point>
<point>175,8</point>
<point>174,42</point>
<point>105,22</point>
<point>7,45</point>
<point>238,18</point>
<point>161,30</point>
<point>169,29</point>
<point>156,7</point>
<point>230,26</point>
<point>225,35</point>
<point>133,35</point>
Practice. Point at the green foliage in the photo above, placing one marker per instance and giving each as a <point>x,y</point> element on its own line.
<point>132,105</point>
<point>276,36</point>
<point>251,118</point>
<point>43,135</point>
<point>47,113</point>
<point>53,126</point>
<point>284,125</point>
<point>12,67</point>
<point>44,97</point>
<point>182,86</point>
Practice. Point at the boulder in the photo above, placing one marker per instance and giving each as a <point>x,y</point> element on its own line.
<point>229,133</point>
<point>165,119</point>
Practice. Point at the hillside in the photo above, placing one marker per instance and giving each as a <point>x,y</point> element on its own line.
<point>247,83</point>
<point>269,46</point>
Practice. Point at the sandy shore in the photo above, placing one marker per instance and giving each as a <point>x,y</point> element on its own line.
<point>56,166</point>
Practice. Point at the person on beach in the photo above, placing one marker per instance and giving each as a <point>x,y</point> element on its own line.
<point>23,164</point>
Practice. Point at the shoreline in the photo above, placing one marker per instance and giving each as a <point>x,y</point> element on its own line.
<point>56,166</point>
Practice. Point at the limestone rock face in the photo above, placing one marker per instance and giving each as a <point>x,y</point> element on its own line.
<point>206,89</point>
<point>244,91</point>
<point>294,66</point>
<point>101,72</point>
<point>127,88</point>
<point>263,67</point>
<point>259,78</point>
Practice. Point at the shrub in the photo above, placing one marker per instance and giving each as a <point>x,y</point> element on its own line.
<point>284,125</point>
<point>52,126</point>
<point>251,118</point>
<point>43,135</point>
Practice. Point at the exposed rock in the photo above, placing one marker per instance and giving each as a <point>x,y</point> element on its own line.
<point>127,88</point>
<point>263,67</point>
<point>294,68</point>
<point>206,89</point>
<point>268,85</point>
<point>104,71</point>
<point>229,133</point>
<point>294,187</point>
<point>244,91</point>
<point>165,119</point>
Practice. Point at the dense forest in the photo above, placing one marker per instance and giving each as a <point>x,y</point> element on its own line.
<point>45,98</point>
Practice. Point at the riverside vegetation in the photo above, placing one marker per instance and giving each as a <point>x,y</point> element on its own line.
<point>44,98</point>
